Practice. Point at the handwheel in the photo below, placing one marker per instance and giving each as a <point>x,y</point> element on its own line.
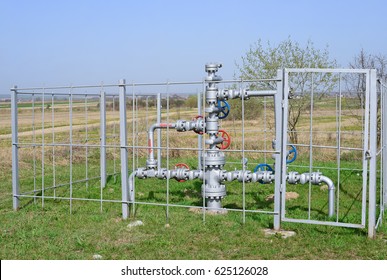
<point>263,167</point>
<point>226,139</point>
<point>181,165</point>
<point>194,119</point>
<point>224,109</point>
<point>292,151</point>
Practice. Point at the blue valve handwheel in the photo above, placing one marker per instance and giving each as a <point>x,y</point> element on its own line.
<point>293,151</point>
<point>224,109</point>
<point>263,167</point>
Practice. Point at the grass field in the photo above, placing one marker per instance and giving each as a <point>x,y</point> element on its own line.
<point>52,232</point>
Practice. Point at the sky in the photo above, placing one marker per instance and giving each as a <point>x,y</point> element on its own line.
<point>48,43</point>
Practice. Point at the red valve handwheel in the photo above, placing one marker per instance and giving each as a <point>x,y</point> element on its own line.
<point>194,119</point>
<point>226,139</point>
<point>182,165</point>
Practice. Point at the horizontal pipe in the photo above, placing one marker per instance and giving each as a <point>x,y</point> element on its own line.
<point>257,93</point>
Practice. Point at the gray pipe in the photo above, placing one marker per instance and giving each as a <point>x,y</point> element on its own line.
<point>315,178</point>
<point>151,162</point>
<point>331,195</point>
<point>131,186</point>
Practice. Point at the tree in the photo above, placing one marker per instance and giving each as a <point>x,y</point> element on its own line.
<point>191,101</point>
<point>263,61</point>
<point>356,84</point>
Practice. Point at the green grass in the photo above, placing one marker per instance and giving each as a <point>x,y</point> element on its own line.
<point>52,232</point>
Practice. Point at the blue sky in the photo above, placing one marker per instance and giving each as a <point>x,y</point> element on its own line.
<point>45,43</point>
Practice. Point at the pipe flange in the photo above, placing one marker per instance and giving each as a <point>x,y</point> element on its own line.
<point>141,173</point>
<point>212,67</point>
<point>315,178</point>
<point>162,173</point>
<point>293,177</point>
<point>214,191</point>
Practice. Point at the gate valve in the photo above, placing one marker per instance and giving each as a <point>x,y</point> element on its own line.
<point>263,167</point>
<point>293,152</point>
<point>198,130</point>
<point>183,166</point>
<point>224,109</point>
<point>226,140</point>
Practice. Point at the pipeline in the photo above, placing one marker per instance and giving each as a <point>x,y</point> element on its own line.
<point>181,126</point>
<point>315,178</point>
<point>151,162</point>
<point>213,159</point>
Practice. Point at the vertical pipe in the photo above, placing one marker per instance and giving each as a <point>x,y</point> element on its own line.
<point>372,150</point>
<point>200,137</point>
<point>159,131</point>
<point>15,156</point>
<point>102,135</point>
<point>203,167</point>
<point>277,153</point>
<point>124,151</point>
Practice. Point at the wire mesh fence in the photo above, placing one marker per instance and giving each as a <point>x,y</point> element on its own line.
<point>310,137</point>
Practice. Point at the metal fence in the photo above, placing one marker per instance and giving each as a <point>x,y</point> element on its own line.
<point>354,144</point>
<point>280,136</point>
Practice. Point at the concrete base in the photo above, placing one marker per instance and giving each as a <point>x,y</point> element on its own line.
<point>220,211</point>
<point>283,233</point>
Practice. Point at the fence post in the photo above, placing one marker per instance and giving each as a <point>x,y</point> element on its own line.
<point>158,131</point>
<point>15,156</point>
<point>383,93</point>
<point>124,151</point>
<point>372,152</point>
<point>284,137</point>
<point>278,144</point>
<point>102,135</point>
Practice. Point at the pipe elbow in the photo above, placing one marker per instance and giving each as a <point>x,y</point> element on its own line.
<point>152,128</point>
<point>329,182</point>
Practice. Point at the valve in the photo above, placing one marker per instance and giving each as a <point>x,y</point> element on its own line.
<point>226,140</point>
<point>263,167</point>
<point>195,119</point>
<point>181,165</point>
<point>293,151</point>
<point>224,109</point>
